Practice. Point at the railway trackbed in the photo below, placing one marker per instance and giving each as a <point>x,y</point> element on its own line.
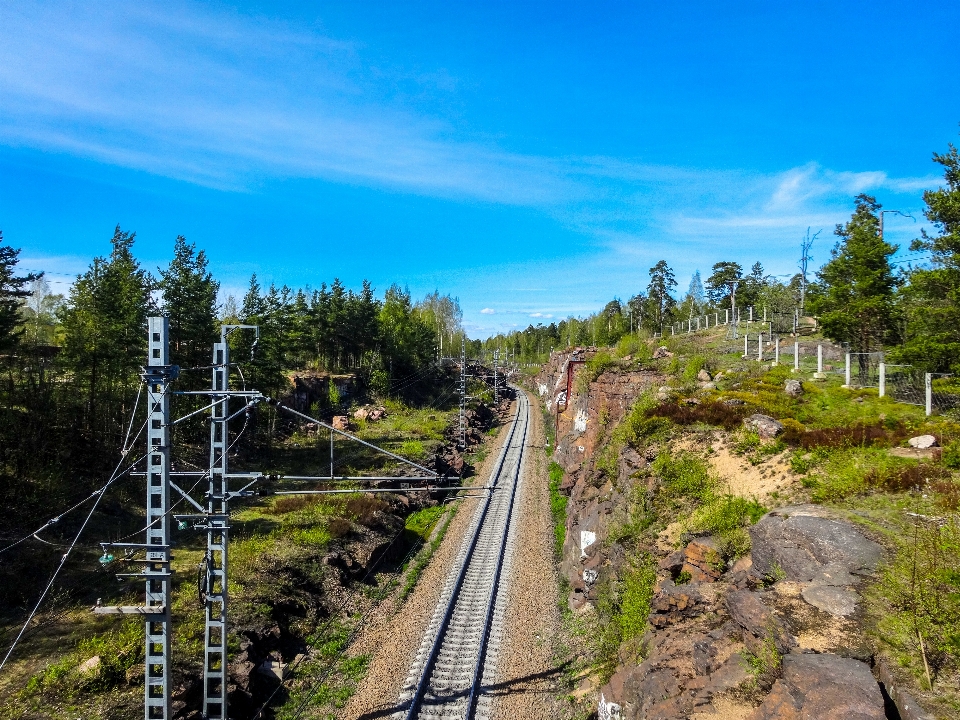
<point>457,659</point>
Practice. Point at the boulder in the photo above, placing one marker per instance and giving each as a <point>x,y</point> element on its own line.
<point>664,394</point>
<point>341,422</point>
<point>922,442</point>
<point>793,388</point>
<point>662,352</point>
<point>704,376</point>
<point>764,425</point>
<point>826,687</point>
<point>747,610</point>
<point>802,544</point>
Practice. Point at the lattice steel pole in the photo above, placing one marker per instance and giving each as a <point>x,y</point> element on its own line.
<point>463,395</point>
<point>218,527</point>
<point>158,374</point>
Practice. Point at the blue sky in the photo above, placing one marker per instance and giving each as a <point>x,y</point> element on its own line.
<point>533,159</point>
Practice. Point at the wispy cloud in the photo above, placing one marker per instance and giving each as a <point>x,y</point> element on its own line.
<point>487,311</point>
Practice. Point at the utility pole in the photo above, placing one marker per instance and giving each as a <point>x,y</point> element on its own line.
<point>496,356</point>
<point>892,212</point>
<point>463,395</point>
<point>157,376</point>
<point>217,525</point>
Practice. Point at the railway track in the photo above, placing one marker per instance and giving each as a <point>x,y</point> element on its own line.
<point>458,654</point>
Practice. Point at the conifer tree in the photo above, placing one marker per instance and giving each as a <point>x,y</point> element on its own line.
<point>12,292</point>
<point>104,326</point>
<point>662,281</point>
<point>856,305</point>
<point>190,301</point>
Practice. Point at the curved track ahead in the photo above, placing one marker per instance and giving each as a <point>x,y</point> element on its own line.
<point>458,652</point>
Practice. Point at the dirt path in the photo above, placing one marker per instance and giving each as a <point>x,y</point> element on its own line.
<point>528,676</point>
<point>392,635</point>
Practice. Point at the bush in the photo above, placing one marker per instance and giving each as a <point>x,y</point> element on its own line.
<point>710,412</point>
<point>685,475</point>
<point>558,508</point>
<point>951,455</point>
<point>638,587</point>
<point>694,365</point>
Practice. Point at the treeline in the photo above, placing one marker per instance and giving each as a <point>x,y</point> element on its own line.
<point>861,296</point>
<point>71,363</point>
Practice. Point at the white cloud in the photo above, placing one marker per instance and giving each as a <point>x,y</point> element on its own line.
<point>541,315</point>
<point>487,311</point>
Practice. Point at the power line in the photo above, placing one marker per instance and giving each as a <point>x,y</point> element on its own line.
<point>66,555</point>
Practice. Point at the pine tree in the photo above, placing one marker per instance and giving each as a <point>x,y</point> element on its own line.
<point>718,284</point>
<point>104,326</point>
<point>931,302</point>
<point>857,300</point>
<point>662,281</point>
<point>12,293</point>
<point>190,301</point>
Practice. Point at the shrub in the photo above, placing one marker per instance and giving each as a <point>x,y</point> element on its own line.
<point>694,365</point>
<point>710,412</point>
<point>638,587</point>
<point>951,455</point>
<point>594,368</point>
<point>684,475</point>
<point>364,507</point>
<point>285,505</point>
<point>558,508</point>
<point>878,434</point>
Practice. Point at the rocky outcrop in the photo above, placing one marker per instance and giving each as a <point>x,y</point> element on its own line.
<point>825,687</point>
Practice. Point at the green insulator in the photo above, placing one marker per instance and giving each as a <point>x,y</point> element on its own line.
<point>106,558</point>
<point>182,525</point>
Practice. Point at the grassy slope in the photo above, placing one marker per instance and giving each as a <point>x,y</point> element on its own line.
<point>838,444</point>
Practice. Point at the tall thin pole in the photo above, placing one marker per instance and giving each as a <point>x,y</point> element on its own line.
<point>157,665</point>
<point>217,527</point>
<point>463,395</point>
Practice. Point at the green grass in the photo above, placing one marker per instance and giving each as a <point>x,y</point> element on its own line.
<point>558,508</point>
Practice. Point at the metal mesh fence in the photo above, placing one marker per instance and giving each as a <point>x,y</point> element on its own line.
<point>906,384</point>
<point>945,391</point>
<point>865,369</point>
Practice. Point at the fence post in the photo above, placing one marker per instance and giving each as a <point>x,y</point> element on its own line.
<point>796,356</point>
<point>796,318</point>
<point>883,379</point>
<point>820,359</point>
<point>928,386</point>
<point>751,313</point>
<point>847,376</point>
<point>698,322</point>
<point>726,317</point>
<point>764,313</point>
<point>760,347</point>
<point>776,350</point>
<point>746,351</point>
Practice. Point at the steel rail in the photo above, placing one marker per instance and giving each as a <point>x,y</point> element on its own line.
<point>478,562</point>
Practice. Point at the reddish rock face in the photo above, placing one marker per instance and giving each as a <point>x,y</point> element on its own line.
<point>702,561</point>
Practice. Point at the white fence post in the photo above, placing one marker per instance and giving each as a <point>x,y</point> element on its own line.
<point>928,386</point>
<point>746,350</point>
<point>726,317</point>
<point>751,313</point>
<point>776,350</point>
<point>847,376</point>
<point>716,319</point>
<point>760,347</point>
<point>764,313</point>
<point>796,356</point>
<point>820,358</point>
<point>698,323</point>
<point>883,379</point>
